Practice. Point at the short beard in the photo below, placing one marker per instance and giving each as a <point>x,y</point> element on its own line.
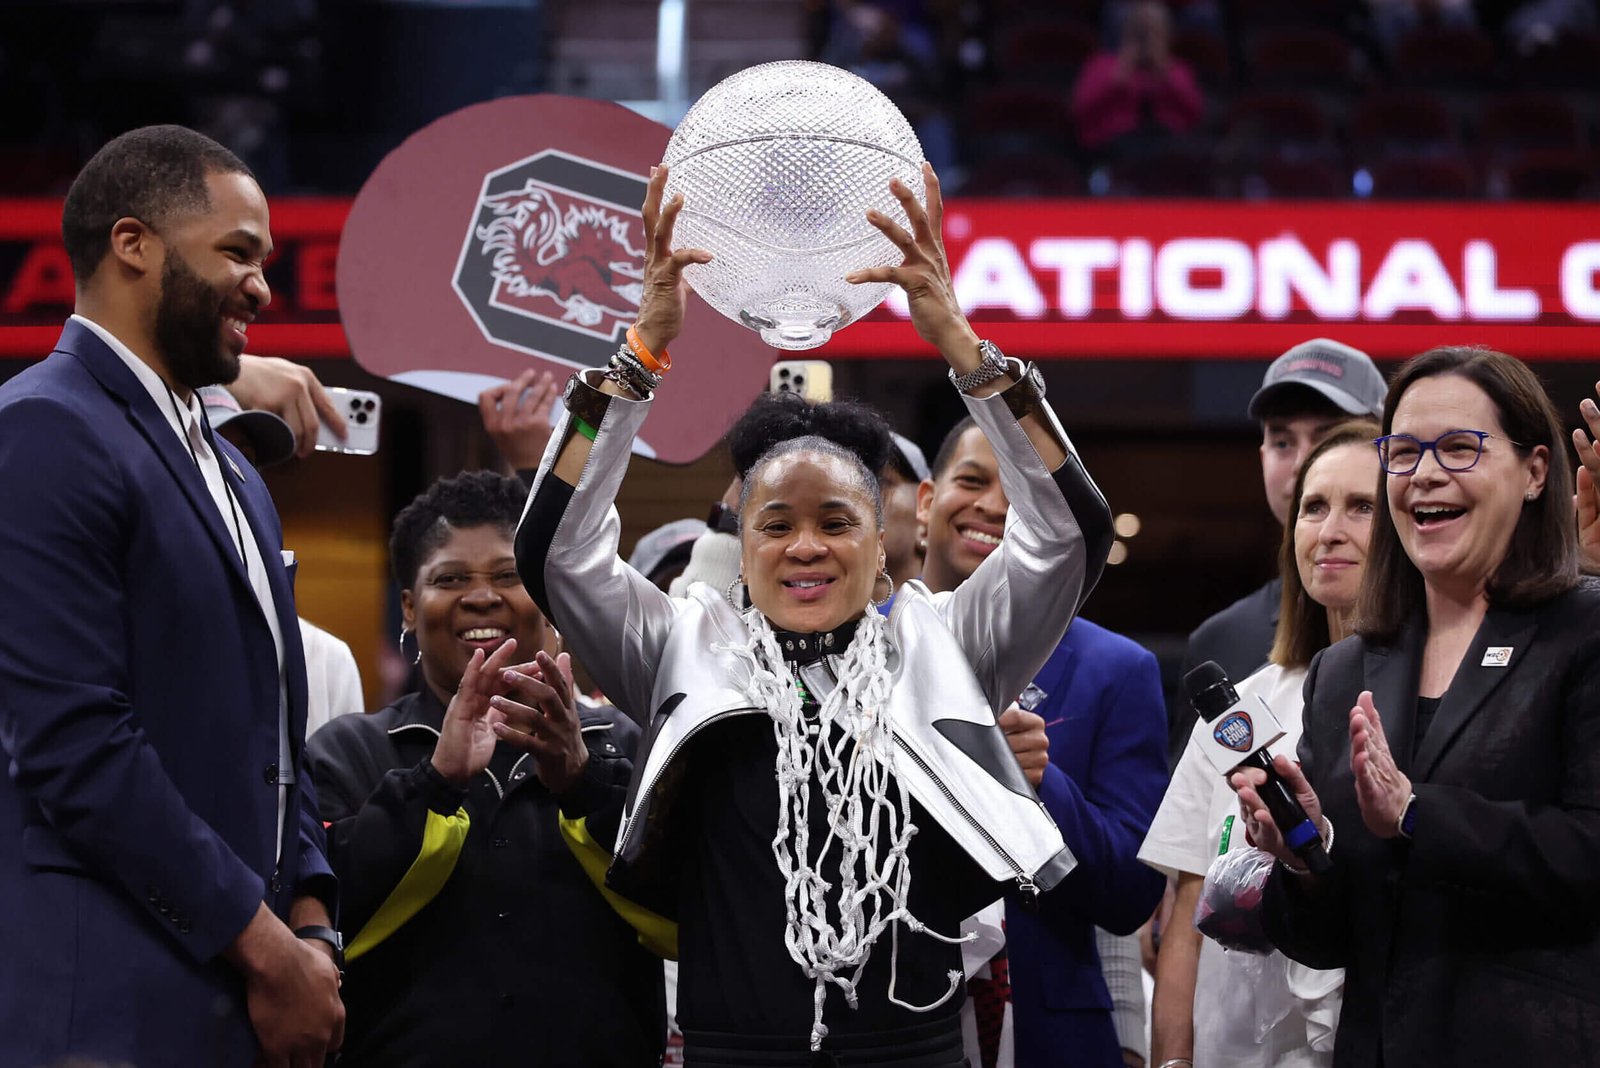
<point>189,328</point>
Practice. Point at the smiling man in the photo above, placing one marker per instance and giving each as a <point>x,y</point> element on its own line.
<point>1091,743</point>
<point>164,896</point>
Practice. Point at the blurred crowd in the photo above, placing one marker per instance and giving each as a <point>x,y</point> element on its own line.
<point>1233,98</point>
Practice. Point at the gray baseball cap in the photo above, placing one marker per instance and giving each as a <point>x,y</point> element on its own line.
<point>1344,375</point>
<point>269,435</point>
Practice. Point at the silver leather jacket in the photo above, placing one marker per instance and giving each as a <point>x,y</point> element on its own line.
<point>959,657</point>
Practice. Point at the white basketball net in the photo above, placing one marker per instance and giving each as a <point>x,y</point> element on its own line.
<point>868,808</point>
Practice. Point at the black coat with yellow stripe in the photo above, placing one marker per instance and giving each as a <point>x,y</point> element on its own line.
<point>473,934</point>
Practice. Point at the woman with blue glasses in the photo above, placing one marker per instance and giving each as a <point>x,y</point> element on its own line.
<point>1455,742</point>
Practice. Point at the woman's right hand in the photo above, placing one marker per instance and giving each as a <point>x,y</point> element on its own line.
<point>466,739</point>
<point>1264,833</point>
<point>665,293</point>
<point>1587,498</point>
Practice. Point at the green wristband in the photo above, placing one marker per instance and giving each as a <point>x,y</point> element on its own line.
<point>584,428</point>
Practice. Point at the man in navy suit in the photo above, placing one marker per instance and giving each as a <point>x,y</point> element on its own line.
<point>1094,746</point>
<point>159,851</point>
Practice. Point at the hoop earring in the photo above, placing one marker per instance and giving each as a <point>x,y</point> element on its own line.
<point>734,599</point>
<point>884,574</point>
<point>404,630</point>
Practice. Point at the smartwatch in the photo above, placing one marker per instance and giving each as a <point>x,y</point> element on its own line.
<point>1408,817</point>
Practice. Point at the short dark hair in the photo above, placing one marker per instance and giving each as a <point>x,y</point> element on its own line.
<point>470,499</point>
<point>947,447</point>
<point>1542,560</point>
<point>1302,622</point>
<point>149,174</point>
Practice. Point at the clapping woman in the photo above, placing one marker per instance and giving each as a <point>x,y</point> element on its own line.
<point>1454,745</point>
<point>475,937</point>
<point>1217,1008</point>
<point>825,794</point>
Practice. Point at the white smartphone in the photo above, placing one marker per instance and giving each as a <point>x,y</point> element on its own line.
<point>812,379</point>
<point>361,410</point>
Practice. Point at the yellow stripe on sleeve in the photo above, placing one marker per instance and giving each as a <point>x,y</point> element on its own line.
<point>442,838</point>
<point>656,933</point>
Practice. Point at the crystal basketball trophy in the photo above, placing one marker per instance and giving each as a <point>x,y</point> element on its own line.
<point>778,165</point>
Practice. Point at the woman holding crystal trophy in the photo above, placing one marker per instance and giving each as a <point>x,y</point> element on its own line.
<point>823,794</point>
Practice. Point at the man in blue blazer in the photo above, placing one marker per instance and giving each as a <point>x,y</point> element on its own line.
<point>159,850</point>
<point>1101,778</point>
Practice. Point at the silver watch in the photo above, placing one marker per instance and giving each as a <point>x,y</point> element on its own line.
<point>990,367</point>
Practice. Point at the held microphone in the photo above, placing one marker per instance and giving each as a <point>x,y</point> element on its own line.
<point>1238,737</point>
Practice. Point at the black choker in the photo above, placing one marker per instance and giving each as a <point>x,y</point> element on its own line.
<point>805,647</point>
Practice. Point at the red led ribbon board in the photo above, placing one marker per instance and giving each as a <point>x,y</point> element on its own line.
<point>1071,279</point>
<point>1219,281</point>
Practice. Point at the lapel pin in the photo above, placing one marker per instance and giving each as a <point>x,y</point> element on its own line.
<point>1497,656</point>
<point>233,465</point>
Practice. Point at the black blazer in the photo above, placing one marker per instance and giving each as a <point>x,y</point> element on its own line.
<point>1478,942</point>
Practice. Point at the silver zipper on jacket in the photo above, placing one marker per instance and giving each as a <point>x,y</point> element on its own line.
<point>644,794</point>
<point>1025,884</point>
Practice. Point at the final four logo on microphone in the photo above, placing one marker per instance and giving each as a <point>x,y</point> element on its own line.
<point>1235,732</point>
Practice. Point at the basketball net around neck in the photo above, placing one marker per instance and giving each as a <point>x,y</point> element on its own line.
<point>868,814</point>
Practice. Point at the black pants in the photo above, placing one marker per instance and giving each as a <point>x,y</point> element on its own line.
<point>932,1045</point>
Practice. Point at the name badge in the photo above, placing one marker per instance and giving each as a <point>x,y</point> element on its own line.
<point>1497,656</point>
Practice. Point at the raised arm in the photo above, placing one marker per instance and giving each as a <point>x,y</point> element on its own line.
<point>613,618</point>
<point>1010,615</point>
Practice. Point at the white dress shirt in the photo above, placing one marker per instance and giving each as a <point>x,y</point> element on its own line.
<point>186,423</point>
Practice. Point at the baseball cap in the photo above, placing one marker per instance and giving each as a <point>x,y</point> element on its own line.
<point>912,456</point>
<point>269,436</point>
<point>667,544</point>
<point>1344,375</point>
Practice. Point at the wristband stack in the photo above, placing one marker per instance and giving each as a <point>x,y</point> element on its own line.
<point>638,369</point>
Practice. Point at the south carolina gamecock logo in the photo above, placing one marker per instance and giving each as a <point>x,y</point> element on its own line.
<point>553,262</point>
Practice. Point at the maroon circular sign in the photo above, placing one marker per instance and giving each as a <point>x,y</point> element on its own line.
<point>507,235</point>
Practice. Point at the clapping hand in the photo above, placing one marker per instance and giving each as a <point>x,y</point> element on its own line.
<point>543,720</point>
<point>467,738</point>
<point>1258,823</point>
<point>1587,499</point>
<point>1381,790</point>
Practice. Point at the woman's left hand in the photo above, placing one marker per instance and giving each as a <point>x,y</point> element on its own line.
<point>544,722</point>
<point>1381,790</point>
<point>925,272</point>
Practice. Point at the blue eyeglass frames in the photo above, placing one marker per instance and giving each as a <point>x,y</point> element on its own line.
<point>1456,450</point>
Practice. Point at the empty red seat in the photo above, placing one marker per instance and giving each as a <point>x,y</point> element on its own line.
<point>1025,175</point>
<point>1414,178</point>
<point>1401,123</point>
<point>1300,57</point>
<point>1553,174</point>
<point>1446,57</point>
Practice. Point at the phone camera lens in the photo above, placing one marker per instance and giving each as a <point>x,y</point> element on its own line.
<point>361,417</point>
<point>369,405</point>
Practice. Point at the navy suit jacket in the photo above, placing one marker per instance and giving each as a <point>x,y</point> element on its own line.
<point>1107,724</point>
<point>139,721</point>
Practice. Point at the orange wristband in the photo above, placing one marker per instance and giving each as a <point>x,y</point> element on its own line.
<point>656,364</point>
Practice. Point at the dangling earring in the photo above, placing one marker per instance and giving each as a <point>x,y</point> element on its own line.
<point>735,599</point>
<point>884,574</point>
<point>404,630</point>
